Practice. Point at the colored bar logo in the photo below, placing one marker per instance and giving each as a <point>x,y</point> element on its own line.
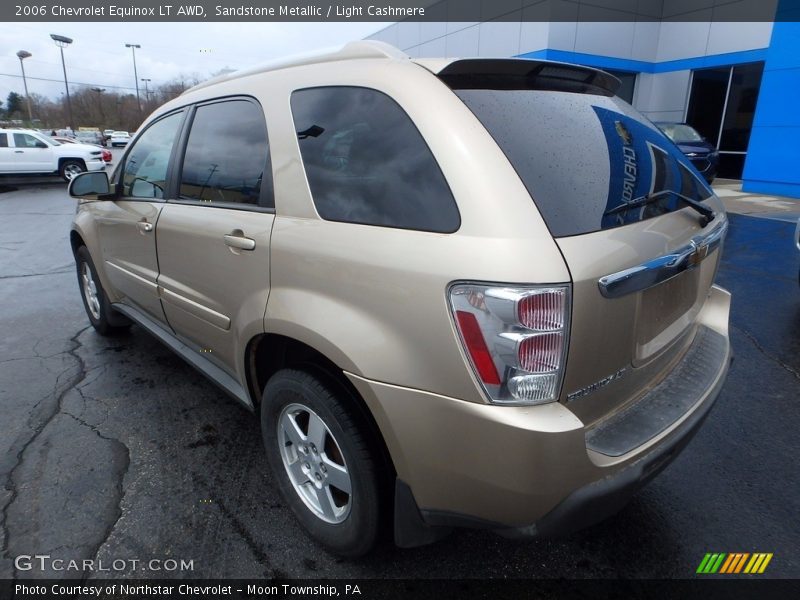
<point>734,563</point>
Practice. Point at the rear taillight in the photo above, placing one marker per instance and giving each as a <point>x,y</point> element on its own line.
<point>476,346</point>
<point>515,339</point>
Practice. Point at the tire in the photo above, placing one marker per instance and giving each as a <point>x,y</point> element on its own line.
<point>70,168</point>
<point>103,318</point>
<point>336,454</point>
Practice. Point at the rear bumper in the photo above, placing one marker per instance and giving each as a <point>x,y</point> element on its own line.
<point>531,470</point>
<point>600,499</point>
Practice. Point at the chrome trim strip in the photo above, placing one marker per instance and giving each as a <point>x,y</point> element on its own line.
<point>137,278</point>
<point>207,368</point>
<point>662,268</point>
<point>198,310</point>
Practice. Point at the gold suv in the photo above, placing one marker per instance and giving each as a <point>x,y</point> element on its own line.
<point>457,292</point>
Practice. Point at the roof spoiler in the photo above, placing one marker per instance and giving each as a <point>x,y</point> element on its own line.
<point>526,74</point>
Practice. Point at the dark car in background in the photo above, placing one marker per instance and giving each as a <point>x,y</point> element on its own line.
<point>702,153</point>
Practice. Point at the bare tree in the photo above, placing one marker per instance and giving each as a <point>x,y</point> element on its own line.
<point>105,108</point>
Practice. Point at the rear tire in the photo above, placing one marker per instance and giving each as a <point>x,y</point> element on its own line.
<point>322,462</point>
<point>103,318</point>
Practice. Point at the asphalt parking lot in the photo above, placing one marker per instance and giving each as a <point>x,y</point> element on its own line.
<point>115,449</point>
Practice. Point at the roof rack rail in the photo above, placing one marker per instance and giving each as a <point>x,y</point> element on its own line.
<point>351,50</point>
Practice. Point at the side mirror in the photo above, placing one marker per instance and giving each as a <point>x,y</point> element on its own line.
<point>89,186</point>
<point>41,145</point>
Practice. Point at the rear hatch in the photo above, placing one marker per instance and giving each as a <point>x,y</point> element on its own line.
<point>639,229</point>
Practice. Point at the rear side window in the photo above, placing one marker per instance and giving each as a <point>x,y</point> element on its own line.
<point>367,163</point>
<point>23,140</point>
<point>583,157</point>
<point>227,156</point>
<point>3,140</point>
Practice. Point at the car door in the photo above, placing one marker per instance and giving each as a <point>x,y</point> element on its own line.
<point>126,226</point>
<point>32,155</point>
<point>213,241</point>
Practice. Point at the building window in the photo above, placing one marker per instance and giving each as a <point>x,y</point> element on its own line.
<point>628,80</point>
<point>722,104</point>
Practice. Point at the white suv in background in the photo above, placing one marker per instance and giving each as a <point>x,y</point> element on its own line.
<point>25,151</point>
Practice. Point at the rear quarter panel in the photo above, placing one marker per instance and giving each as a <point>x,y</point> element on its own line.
<point>373,299</point>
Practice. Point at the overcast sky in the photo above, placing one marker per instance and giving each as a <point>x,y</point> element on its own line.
<point>98,55</point>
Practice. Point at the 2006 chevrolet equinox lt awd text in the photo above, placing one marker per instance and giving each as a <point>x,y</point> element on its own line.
<point>458,292</point>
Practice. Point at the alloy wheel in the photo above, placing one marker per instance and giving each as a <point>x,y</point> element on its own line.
<point>314,462</point>
<point>90,290</point>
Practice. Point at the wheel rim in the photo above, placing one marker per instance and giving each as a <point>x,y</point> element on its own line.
<point>314,463</point>
<point>90,291</point>
<point>72,170</point>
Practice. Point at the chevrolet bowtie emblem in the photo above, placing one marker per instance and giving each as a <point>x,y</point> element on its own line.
<point>623,133</point>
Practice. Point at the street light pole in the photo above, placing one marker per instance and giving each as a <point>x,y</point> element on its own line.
<point>62,42</point>
<point>100,91</point>
<point>22,55</point>
<point>146,89</point>
<point>133,48</point>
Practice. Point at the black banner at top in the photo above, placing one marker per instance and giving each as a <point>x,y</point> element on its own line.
<point>398,10</point>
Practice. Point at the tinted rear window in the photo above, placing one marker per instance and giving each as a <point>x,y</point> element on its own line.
<point>367,163</point>
<point>581,155</point>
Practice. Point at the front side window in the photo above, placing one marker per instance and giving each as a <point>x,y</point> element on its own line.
<point>367,163</point>
<point>3,140</point>
<point>145,172</point>
<point>227,156</point>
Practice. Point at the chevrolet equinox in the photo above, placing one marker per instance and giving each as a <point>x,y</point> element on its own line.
<point>458,293</point>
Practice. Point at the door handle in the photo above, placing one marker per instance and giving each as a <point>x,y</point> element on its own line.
<point>239,242</point>
<point>144,226</point>
<point>19,151</point>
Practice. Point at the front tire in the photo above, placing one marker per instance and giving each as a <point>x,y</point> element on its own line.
<point>70,169</point>
<point>103,318</point>
<point>322,461</point>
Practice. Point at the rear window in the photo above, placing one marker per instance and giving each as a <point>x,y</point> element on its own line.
<point>583,155</point>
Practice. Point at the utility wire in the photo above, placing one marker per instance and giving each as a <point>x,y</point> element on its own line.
<point>116,87</point>
<point>13,60</point>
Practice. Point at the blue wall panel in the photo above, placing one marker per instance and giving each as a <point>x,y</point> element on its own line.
<point>773,156</point>
<point>640,66</point>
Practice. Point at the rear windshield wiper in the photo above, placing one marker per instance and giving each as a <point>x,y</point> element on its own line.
<point>707,213</point>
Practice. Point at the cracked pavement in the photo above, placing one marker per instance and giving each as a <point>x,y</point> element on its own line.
<point>113,448</point>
